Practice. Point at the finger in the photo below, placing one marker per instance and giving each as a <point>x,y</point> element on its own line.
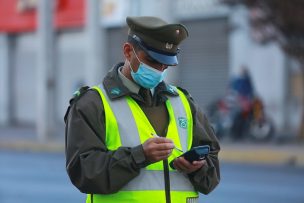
<point>162,140</point>
<point>196,165</point>
<point>199,163</point>
<point>184,162</point>
<point>164,146</point>
<point>150,144</point>
<point>186,167</point>
<point>162,152</point>
<point>176,166</point>
<point>163,157</point>
<point>181,165</point>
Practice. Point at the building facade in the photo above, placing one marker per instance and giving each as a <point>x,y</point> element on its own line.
<point>219,44</point>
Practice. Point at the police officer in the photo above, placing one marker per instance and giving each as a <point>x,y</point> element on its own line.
<point>122,134</point>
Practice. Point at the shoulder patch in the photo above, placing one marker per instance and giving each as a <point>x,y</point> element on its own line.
<point>78,93</point>
<point>172,89</point>
<point>115,91</point>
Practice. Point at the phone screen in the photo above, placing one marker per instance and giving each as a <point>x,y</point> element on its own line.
<point>203,150</point>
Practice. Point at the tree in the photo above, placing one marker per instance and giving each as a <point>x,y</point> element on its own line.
<point>282,21</point>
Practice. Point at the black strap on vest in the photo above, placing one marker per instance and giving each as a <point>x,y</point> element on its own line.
<point>167,181</point>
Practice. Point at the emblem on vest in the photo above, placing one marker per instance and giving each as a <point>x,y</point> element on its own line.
<point>182,122</point>
<point>115,91</point>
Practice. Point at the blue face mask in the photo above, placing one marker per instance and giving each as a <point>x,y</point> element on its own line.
<point>146,76</point>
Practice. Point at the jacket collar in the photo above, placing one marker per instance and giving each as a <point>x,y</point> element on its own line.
<point>115,88</point>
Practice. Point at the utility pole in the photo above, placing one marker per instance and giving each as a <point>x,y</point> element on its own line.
<point>95,33</point>
<point>45,123</point>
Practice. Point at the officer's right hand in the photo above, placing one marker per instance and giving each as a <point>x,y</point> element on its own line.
<point>157,148</point>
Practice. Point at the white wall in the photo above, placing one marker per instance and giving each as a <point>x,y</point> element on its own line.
<point>24,79</point>
<point>267,65</point>
<point>71,65</point>
<point>239,40</point>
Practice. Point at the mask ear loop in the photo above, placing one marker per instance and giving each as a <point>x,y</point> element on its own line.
<point>136,58</point>
<point>136,55</point>
<point>130,62</point>
<point>130,65</point>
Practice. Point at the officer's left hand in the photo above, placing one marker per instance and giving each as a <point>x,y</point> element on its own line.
<point>184,166</point>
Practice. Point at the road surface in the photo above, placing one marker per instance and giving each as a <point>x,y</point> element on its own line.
<point>27,177</point>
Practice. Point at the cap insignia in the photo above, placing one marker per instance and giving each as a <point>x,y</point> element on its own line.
<point>169,46</point>
<point>177,32</point>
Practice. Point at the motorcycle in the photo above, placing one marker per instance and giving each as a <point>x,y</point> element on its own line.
<point>237,117</point>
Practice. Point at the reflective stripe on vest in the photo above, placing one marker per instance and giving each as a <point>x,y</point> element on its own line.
<point>122,130</point>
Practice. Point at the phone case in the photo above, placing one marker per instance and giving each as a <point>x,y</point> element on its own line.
<point>195,154</point>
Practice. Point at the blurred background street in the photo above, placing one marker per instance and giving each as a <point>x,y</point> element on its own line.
<point>28,177</point>
<point>33,171</point>
<point>35,177</point>
<point>242,63</point>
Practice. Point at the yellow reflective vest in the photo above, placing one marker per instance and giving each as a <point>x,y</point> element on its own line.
<point>127,125</point>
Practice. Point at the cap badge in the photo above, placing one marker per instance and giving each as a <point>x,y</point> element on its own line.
<point>177,32</point>
<point>169,46</point>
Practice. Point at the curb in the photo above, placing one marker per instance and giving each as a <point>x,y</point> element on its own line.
<point>263,154</point>
<point>234,153</point>
<point>33,146</point>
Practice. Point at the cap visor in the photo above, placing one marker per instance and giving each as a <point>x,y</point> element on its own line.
<point>164,59</point>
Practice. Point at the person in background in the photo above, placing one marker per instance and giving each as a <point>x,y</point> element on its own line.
<point>242,84</point>
<point>122,134</point>
<point>244,99</point>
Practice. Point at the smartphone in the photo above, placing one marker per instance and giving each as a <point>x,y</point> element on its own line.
<point>195,154</point>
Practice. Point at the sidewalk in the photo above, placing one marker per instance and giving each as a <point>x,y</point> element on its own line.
<point>25,139</point>
<point>264,153</point>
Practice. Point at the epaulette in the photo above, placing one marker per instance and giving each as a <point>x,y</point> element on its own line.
<point>78,93</point>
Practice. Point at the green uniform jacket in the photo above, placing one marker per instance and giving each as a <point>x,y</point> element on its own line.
<point>92,168</point>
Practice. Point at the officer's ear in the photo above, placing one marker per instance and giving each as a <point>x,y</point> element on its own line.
<point>127,50</point>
